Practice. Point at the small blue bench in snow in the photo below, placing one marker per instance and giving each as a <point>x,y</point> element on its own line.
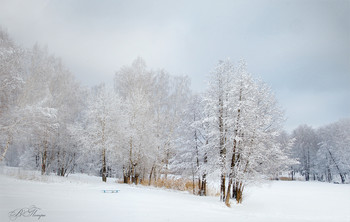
<point>110,191</point>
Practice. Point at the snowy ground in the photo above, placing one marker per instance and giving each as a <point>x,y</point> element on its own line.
<point>80,198</point>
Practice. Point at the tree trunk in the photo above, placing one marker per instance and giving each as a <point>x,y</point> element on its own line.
<point>62,171</point>
<point>131,164</point>
<point>239,196</point>
<point>329,175</point>
<point>336,165</point>
<point>307,173</point>
<point>133,174</point>
<point>136,178</point>
<point>43,163</point>
<point>234,191</point>
<point>228,194</point>
<point>222,150</point>
<point>233,163</point>
<point>150,176</point>
<point>307,176</point>
<point>203,188</point>
<point>37,160</point>
<point>104,169</point>
<point>237,192</point>
<point>58,164</point>
<point>193,184</point>
<point>223,185</point>
<point>143,175</point>
<point>342,178</point>
<point>167,164</point>
<point>155,173</point>
<point>197,160</point>
<point>223,170</point>
<point>44,158</point>
<point>125,175</point>
<point>199,186</point>
<point>6,148</point>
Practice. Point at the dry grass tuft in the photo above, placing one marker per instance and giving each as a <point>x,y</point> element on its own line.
<point>173,184</point>
<point>177,184</point>
<point>285,178</point>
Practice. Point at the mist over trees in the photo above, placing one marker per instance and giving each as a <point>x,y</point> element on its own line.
<point>150,126</point>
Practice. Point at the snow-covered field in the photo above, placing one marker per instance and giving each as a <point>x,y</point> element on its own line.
<point>80,198</point>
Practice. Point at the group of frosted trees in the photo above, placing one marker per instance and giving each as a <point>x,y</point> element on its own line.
<point>39,99</point>
<point>131,130</point>
<point>50,123</point>
<point>323,153</point>
<point>232,131</point>
<point>151,126</point>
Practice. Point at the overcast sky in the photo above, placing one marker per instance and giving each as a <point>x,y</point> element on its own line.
<point>300,48</point>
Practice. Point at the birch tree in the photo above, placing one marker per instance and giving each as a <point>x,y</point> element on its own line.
<point>190,158</point>
<point>134,85</point>
<point>244,121</point>
<point>103,124</point>
<point>217,109</point>
<point>305,147</point>
<point>334,153</point>
<point>11,85</point>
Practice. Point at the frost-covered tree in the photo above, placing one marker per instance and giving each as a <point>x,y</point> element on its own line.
<point>50,101</point>
<point>102,128</point>
<point>11,84</point>
<point>154,103</point>
<point>38,98</point>
<point>286,143</point>
<point>190,158</point>
<point>217,106</point>
<point>160,104</point>
<point>68,101</point>
<point>134,85</point>
<point>244,121</point>
<point>179,97</point>
<point>257,121</point>
<point>305,147</point>
<point>333,154</point>
<point>39,117</point>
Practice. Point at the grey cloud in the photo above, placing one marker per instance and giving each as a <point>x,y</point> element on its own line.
<point>300,48</point>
